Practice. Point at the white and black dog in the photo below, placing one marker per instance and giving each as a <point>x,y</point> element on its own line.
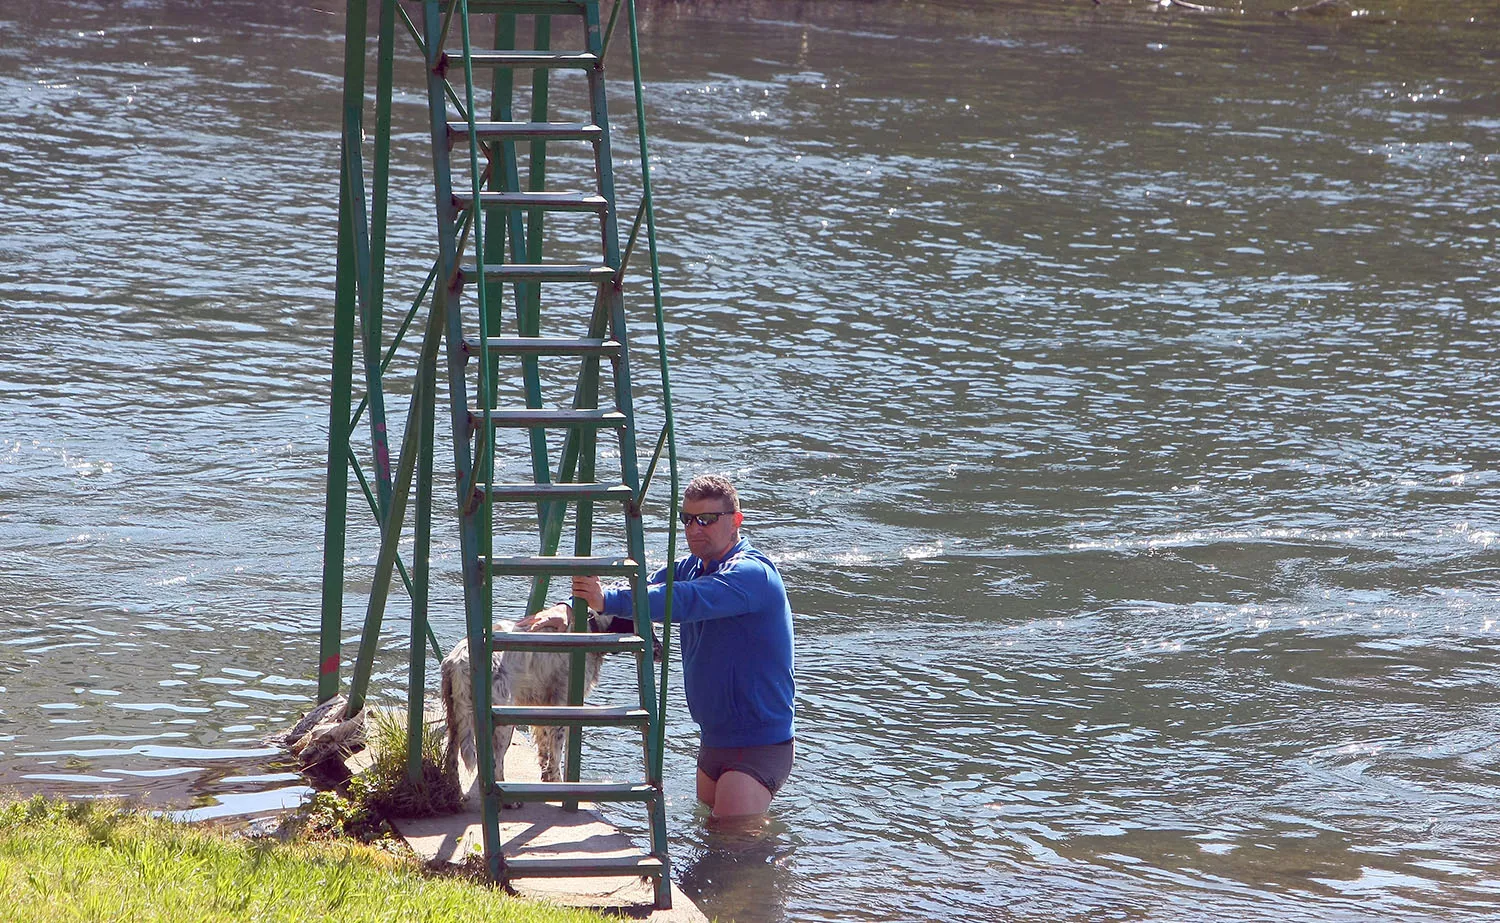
<point>517,678</point>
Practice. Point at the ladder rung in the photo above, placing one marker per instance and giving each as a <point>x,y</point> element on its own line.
<point>641,866</point>
<point>571,715</point>
<point>566,492</point>
<point>567,641</point>
<point>526,131</point>
<point>523,7</point>
<point>576,791</point>
<point>547,346</point>
<point>562,565</point>
<point>551,201</point>
<point>538,59</point>
<point>527,418</point>
<point>541,272</point>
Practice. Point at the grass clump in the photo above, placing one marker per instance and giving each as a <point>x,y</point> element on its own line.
<point>62,862</point>
<point>385,788</point>
<point>361,806</point>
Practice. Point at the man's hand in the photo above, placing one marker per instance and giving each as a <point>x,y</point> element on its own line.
<point>589,590</point>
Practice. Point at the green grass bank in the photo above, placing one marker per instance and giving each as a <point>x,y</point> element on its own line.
<point>86,861</point>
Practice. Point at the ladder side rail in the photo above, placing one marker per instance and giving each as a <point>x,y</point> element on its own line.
<point>634,528</point>
<point>655,748</point>
<point>669,427</point>
<point>486,379</point>
<point>645,675</point>
<point>463,429</point>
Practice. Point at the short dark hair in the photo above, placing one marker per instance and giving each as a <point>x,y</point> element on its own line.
<point>708,486</point>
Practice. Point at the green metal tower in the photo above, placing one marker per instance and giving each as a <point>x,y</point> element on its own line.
<point>480,314</point>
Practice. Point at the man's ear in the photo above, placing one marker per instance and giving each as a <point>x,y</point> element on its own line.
<point>739,519</point>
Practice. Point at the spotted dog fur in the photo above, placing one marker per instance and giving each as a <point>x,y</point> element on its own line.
<point>517,678</point>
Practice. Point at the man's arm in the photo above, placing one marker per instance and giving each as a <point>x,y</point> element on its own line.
<point>591,592</point>
<point>735,589</point>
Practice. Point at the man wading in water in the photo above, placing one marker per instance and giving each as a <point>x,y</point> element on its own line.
<point>736,629</point>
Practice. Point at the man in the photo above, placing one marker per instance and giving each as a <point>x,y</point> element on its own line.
<point>736,628</point>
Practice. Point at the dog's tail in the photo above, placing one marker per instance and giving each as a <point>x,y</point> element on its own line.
<point>459,715</point>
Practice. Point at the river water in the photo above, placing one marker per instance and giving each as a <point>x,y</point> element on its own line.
<point>1113,384</point>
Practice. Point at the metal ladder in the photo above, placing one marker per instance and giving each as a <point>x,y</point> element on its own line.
<point>493,183</point>
<point>481,207</point>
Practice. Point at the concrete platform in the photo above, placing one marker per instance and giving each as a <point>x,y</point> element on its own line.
<point>546,830</point>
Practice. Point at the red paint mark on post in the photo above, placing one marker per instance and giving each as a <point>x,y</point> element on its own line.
<point>382,452</point>
<point>331,665</point>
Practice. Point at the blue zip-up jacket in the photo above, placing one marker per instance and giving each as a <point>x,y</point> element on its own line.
<point>736,628</point>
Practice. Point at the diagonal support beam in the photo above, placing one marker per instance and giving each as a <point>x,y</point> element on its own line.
<point>390,533</point>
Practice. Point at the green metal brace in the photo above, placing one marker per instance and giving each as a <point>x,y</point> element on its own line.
<point>359,298</point>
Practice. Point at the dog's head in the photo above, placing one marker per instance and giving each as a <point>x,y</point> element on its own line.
<point>560,618</point>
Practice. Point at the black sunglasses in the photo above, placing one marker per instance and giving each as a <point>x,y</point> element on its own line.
<point>702,519</point>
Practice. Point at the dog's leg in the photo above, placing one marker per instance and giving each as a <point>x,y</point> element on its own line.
<point>502,692</point>
<point>551,744</point>
<point>503,737</point>
<point>559,752</point>
<point>545,761</point>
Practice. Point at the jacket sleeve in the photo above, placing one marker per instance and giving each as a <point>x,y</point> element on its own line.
<point>734,589</point>
<point>618,602</point>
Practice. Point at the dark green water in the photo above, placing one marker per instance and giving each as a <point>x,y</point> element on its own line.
<point>1115,387</point>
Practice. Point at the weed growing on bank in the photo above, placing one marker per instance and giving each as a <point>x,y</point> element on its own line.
<point>385,788</point>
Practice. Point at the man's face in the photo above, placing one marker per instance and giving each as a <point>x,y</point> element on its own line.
<point>709,543</point>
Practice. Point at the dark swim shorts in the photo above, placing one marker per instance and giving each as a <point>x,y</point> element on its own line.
<point>769,765</point>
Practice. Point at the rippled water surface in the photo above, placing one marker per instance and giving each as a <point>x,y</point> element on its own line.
<point>1114,385</point>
